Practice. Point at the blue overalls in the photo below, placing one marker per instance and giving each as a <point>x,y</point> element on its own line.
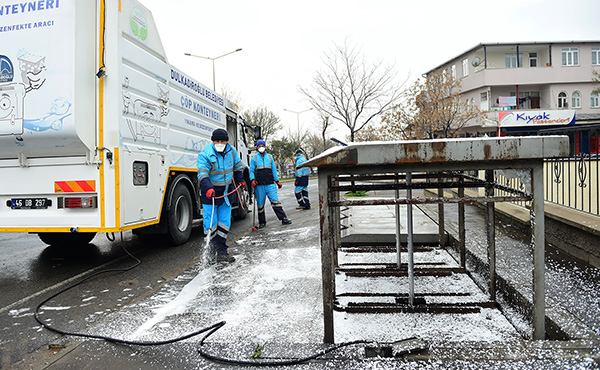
<point>263,170</point>
<point>215,170</point>
<point>301,183</point>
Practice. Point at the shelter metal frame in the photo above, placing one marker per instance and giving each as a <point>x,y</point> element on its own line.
<point>369,168</point>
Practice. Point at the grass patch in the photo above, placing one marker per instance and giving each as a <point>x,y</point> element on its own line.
<point>359,193</point>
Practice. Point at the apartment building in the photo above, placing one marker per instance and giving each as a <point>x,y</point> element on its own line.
<point>532,88</point>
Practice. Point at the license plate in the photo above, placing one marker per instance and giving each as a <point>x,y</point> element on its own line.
<point>30,203</point>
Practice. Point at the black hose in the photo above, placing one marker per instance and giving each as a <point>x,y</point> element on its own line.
<point>297,361</point>
<point>211,330</point>
<point>110,339</point>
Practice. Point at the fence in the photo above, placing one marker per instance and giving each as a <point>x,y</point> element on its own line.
<point>570,182</point>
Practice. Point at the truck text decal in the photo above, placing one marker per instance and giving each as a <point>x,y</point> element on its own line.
<point>28,6</point>
<point>196,87</point>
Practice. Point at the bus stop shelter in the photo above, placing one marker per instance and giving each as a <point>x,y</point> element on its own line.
<point>439,166</point>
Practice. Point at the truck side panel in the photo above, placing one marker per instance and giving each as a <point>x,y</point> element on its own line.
<point>48,132</point>
<point>165,117</point>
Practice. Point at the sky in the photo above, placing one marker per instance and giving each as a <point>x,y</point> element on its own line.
<point>283,42</point>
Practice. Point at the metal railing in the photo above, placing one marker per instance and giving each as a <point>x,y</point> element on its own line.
<point>570,182</point>
<point>574,182</point>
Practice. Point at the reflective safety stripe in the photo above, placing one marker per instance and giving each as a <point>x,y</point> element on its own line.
<point>85,186</point>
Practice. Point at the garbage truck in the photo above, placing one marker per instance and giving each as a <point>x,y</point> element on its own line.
<point>98,132</point>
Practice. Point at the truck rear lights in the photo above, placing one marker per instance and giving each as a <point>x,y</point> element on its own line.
<point>78,202</point>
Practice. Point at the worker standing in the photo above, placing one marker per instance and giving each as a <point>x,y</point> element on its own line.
<point>217,165</point>
<point>263,175</point>
<point>301,182</point>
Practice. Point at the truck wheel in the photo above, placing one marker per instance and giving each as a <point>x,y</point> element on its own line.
<point>242,207</point>
<point>66,239</point>
<point>179,216</point>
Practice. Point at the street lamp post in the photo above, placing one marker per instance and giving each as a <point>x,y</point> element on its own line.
<point>297,116</point>
<point>213,62</point>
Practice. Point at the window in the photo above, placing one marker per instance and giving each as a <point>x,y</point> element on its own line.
<point>562,100</point>
<point>576,100</point>
<point>570,56</point>
<point>510,60</point>
<point>465,67</point>
<point>594,100</point>
<point>596,56</point>
<point>533,60</point>
<point>453,71</point>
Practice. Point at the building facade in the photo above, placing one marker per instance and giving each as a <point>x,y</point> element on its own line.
<point>532,88</point>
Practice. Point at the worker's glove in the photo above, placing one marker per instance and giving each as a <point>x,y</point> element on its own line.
<point>242,185</point>
<point>279,185</point>
<point>296,183</point>
<point>210,193</point>
<point>254,183</point>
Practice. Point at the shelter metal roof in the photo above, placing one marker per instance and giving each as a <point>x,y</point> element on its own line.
<point>443,151</point>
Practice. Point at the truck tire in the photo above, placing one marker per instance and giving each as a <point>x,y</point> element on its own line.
<point>66,239</point>
<point>242,209</point>
<point>179,216</point>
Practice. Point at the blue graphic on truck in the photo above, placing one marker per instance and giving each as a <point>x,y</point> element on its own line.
<point>7,72</point>
<point>61,109</point>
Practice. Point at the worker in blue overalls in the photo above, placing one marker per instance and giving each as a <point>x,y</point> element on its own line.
<point>301,182</point>
<point>263,175</point>
<point>217,165</point>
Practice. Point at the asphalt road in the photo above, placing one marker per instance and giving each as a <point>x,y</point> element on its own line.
<point>30,272</point>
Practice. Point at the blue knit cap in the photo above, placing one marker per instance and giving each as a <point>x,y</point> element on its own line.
<point>260,142</point>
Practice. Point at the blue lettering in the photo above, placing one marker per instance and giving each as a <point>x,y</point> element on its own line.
<point>29,6</point>
<point>185,102</point>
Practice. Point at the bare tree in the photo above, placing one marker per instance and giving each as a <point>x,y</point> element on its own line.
<point>282,151</point>
<point>233,96</point>
<point>261,116</point>
<point>314,145</point>
<point>324,126</point>
<point>433,108</point>
<point>350,90</point>
<point>596,80</point>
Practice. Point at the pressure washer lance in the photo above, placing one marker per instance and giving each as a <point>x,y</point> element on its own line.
<point>254,227</point>
<point>208,237</point>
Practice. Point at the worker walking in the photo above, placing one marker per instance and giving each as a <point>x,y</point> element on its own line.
<point>217,164</point>
<point>263,175</point>
<point>301,182</point>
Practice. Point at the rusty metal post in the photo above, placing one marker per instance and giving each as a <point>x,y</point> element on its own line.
<point>409,231</point>
<point>491,232</point>
<point>327,248</point>
<point>441,223</point>
<point>461,225</point>
<point>537,219</point>
<point>337,225</point>
<point>398,226</point>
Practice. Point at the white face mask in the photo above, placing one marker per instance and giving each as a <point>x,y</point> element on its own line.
<point>220,147</point>
<point>261,149</point>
